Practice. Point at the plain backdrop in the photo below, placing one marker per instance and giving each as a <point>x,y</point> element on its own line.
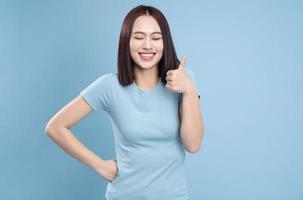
<point>246,56</point>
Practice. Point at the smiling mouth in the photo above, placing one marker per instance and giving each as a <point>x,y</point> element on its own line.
<point>146,56</point>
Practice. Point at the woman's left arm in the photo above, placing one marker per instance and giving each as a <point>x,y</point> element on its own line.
<point>191,124</point>
<point>192,127</point>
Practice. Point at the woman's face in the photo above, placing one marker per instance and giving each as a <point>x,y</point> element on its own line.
<point>146,44</point>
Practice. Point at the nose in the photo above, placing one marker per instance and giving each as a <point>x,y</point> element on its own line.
<point>147,44</point>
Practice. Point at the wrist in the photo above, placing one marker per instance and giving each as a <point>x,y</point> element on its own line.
<point>98,164</point>
<point>190,87</point>
<point>190,91</point>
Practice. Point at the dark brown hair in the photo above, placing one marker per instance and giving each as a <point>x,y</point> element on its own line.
<point>169,59</point>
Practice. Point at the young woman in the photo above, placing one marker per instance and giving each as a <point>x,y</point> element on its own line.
<point>153,104</point>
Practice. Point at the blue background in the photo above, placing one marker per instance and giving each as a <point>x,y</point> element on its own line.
<point>247,59</point>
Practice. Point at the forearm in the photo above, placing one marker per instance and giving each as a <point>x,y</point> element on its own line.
<point>65,139</point>
<point>192,128</point>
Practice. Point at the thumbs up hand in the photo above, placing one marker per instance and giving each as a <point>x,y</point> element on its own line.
<point>178,80</point>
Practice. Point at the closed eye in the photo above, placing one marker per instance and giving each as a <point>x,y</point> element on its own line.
<point>143,38</point>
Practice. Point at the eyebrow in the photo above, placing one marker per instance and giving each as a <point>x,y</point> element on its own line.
<point>140,32</point>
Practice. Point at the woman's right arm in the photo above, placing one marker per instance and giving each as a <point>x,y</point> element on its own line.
<point>58,129</point>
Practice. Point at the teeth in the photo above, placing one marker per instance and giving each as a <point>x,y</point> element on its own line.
<point>147,54</point>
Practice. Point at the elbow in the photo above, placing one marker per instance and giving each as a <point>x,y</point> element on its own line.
<point>196,146</point>
<point>50,129</point>
<point>53,129</point>
<point>194,149</point>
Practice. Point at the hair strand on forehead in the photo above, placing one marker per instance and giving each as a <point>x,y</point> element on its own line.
<point>147,12</point>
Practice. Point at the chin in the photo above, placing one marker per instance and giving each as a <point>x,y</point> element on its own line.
<point>146,66</point>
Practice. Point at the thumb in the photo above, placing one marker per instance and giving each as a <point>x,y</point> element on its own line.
<point>182,63</point>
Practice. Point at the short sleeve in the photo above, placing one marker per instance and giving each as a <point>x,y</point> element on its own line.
<point>191,75</point>
<point>97,93</point>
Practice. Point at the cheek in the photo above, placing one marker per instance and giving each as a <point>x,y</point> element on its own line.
<point>133,49</point>
<point>159,46</point>
<point>134,44</point>
<point>131,46</point>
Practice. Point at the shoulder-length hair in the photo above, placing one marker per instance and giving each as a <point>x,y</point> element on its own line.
<point>169,59</point>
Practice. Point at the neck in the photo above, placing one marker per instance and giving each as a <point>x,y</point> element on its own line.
<point>146,78</point>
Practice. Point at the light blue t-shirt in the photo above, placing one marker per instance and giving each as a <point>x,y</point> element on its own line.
<point>149,152</point>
